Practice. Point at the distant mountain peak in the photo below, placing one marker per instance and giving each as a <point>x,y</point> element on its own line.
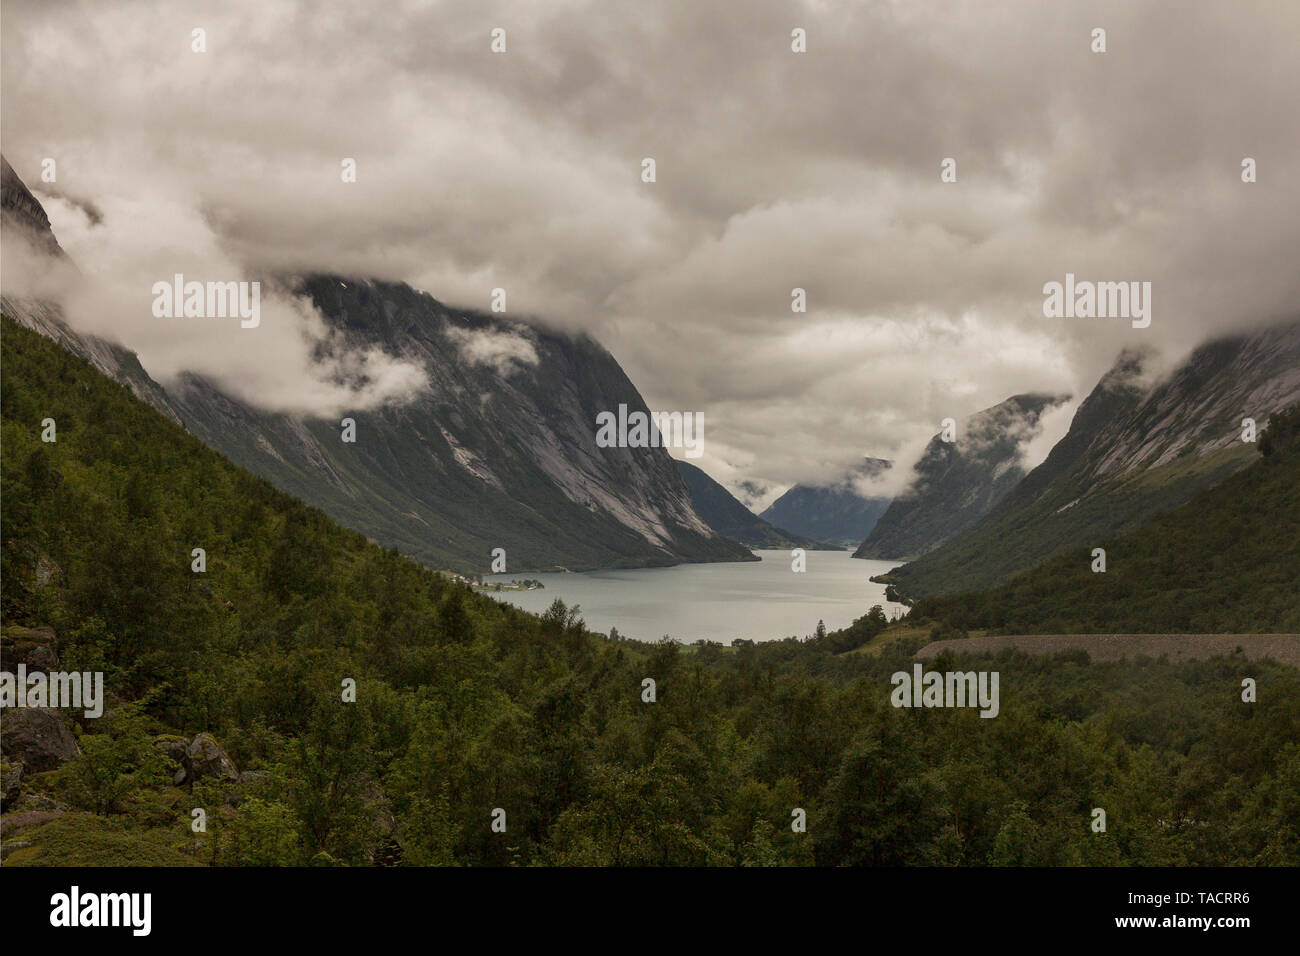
<point>834,511</point>
<point>731,519</point>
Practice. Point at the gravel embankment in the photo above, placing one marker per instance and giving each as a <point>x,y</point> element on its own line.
<point>1112,647</point>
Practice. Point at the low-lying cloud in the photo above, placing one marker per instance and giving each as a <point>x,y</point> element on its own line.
<point>503,351</point>
<point>292,361</point>
<point>775,171</point>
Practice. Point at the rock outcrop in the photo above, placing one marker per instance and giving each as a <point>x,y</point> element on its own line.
<point>39,737</point>
<point>196,758</point>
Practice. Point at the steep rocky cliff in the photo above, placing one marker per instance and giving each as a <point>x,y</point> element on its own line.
<point>958,482</point>
<point>498,452</point>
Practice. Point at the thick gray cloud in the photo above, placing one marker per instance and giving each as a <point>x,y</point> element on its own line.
<point>775,170</point>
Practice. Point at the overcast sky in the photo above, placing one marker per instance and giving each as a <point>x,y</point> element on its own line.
<point>775,169</point>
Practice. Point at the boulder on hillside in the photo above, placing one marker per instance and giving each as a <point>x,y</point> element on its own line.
<point>199,756</point>
<point>207,759</point>
<point>39,737</point>
<point>174,746</point>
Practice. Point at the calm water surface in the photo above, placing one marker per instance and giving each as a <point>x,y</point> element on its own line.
<point>759,600</point>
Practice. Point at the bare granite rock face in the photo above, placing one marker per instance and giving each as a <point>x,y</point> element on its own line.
<point>497,450</point>
<point>23,210</point>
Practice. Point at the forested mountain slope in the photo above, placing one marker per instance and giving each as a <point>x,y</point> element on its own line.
<point>1133,451</point>
<point>1228,561</point>
<point>226,691</point>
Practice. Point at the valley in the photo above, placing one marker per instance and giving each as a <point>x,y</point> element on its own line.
<point>358,511</point>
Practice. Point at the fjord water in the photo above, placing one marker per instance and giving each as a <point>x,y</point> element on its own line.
<point>758,600</point>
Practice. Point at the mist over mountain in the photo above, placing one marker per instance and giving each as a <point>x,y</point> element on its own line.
<point>521,171</point>
<point>498,452</point>
<point>495,451</point>
<point>1227,560</point>
<point>837,513</point>
<point>956,483</point>
<point>1135,449</point>
<point>35,270</point>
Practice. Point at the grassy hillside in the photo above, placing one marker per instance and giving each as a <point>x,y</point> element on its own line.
<point>1227,561</point>
<point>464,705</point>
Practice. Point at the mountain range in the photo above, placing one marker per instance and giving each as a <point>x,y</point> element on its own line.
<point>837,512</point>
<point>731,519</point>
<point>1135,449</point>
<point>498,450</point>
<point>495,453</point>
